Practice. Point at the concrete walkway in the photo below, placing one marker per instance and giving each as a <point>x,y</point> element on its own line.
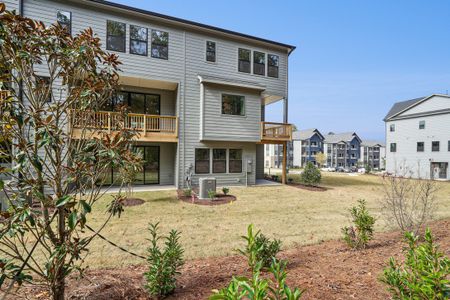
<point>264,182</point>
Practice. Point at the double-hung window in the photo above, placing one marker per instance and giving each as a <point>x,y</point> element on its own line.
<point>393,147</point>
<point>210,51</point>
<point>202,161</point>
<point>392,128</point>
<point>273,64</point>
<point>64,19</point>
<point>259,63</point>
<point>160,44</point>
<point>421,124</point>
<point>235,161</point>
<point>244,60</point>
<point>448,145</point>
<point>420,146</point>
<point>435,146</point>
<point>233,105</point>
<point>115,36</point>
<point>138,40</point>
<point>219,160</point>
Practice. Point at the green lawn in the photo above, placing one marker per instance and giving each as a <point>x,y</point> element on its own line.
<point>296,216</point>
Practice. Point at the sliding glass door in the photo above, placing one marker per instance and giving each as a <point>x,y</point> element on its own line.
<point>138,103</point>
<point>149,173</point>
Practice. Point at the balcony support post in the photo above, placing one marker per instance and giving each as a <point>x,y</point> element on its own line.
<point>284,171</point>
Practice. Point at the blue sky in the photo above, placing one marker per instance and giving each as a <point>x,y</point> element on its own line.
<point>353,60</point>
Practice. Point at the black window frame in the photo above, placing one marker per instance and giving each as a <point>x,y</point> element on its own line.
<point>448,146</point>
<point>422,124</point>
<point>138,40</point>
<point>392,127</point>
<point>207,150</point>
<point>242,114</point>
<point>435,146</point>
<point>154,44</point>
<point>211,53</point>
<point>108,34</point>
<point>393,147</point>
<point>257,65</point>
<point>242,61</point>
<point>222,160</point>
<point>64,24</point>
<point>271,67</point>
<point>420,146</point>
<point>235,160</point>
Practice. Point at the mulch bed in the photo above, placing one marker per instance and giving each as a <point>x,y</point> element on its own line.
<point>328,270</point>
<point>132,202</point>
<point>308,187</point>
<point>220,199</point>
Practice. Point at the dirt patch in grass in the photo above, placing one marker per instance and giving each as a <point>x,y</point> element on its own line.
<point>219,199</point>
<point>132,202</point>
<point>328,270</point>
<point>309,187</point>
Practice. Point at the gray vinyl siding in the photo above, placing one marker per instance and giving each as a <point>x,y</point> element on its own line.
<point>12,5</point>
<point>186,62</point>
<point>222,127</point>
<point>167,155</point>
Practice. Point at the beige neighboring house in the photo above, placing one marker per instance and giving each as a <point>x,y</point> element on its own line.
<point>198,93</point>
<point>418,138</point>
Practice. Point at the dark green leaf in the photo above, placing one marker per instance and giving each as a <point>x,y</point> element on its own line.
<point>72,220</point>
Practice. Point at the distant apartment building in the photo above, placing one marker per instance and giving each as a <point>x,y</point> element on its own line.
<point>342,150</point>
<point>273,155</point>
<point>418,138</point>
<point>373,154</point>
<point>306,144</point>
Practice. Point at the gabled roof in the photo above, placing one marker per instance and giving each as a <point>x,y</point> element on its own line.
<point>189,23</point>
<point>306,134</point>
<point>402,106</point>
<point>372,143</point>
<point>341,137</point>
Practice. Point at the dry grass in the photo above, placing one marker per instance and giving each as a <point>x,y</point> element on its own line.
<point>296,216</point>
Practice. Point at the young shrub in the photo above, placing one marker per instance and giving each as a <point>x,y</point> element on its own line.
<point>225,190</point>
<point>424,274</point>
<point>311,175</point>
<point>164,263</point>
<point>358,235</point>
<point>187,192</point>
<point>212,194</point>
<point>259,249</point>
<point>258,288</point>
<point>267,249</point>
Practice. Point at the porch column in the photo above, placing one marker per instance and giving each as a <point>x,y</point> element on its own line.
<point>283,174</point>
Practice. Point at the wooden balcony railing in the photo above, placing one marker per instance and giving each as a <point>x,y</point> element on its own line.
<point>273,132</point>
<point>151,128</point>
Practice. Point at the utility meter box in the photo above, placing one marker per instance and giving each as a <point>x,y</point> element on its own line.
<point>206,185</point>
<point>249,166</point>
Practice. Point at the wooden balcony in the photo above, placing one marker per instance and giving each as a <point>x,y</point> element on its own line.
<point>275,132</point>
<point>149,128</point>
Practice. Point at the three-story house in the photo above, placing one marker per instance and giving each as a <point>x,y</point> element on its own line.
<point>196,93</point>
